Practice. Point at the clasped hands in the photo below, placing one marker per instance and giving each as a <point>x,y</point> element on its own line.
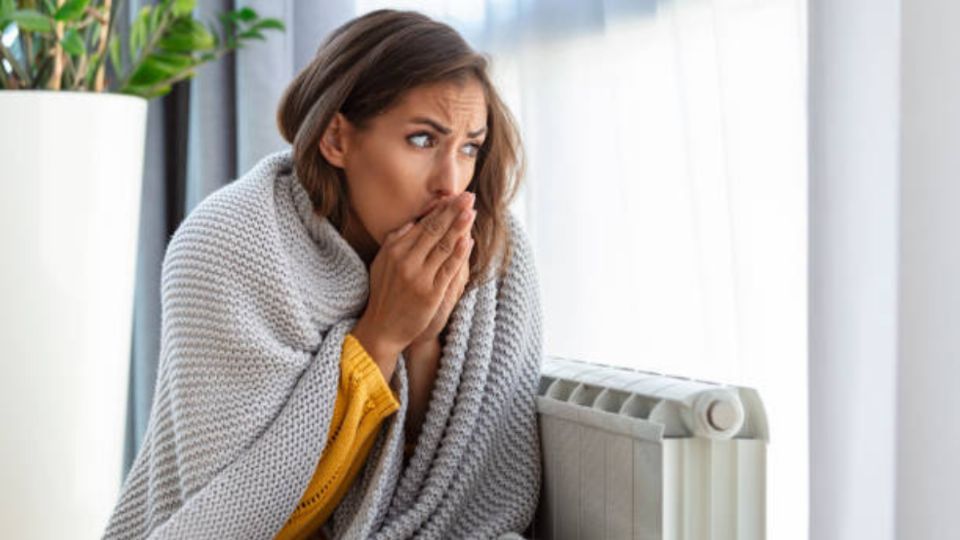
<point>416,279</point>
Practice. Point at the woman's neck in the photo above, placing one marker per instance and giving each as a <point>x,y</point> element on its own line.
<point>359,238</point>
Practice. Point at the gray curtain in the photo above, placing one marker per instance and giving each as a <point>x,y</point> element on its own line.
<point>208,131</point>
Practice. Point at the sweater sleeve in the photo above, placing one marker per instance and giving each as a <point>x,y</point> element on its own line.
<point>364,400</point>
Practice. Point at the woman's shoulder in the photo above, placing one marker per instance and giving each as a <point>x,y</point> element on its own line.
<point>233,230</point>
<point>237,208</point>
<point>520,283</point>
<point>521,258</point>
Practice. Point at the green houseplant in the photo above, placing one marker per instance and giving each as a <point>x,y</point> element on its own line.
<point>73,117</point>
<point>67,45</point>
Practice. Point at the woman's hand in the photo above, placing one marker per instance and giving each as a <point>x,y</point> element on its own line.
<point>450,299</point>
<point>415,273</point>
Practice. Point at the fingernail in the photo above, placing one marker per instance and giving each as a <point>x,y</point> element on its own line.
<point>471,197</point>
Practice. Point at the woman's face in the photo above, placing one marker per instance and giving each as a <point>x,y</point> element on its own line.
<point>406,159</point>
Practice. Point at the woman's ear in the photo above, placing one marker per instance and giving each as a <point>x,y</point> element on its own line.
<point>333,143</point>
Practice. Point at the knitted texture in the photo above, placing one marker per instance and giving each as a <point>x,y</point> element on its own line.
<point>363,401</point>
<point>258,293</point>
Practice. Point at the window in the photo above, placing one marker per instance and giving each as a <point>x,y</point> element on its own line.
<point>666,192</point>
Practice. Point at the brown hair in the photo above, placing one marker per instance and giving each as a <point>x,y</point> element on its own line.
<point>362,68</point>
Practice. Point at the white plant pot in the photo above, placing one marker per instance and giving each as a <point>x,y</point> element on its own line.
<point>71,165</point>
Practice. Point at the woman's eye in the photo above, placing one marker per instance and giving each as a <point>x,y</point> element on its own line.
<point>421,140</point>
<point>426,140</point>
<point>471,149</point>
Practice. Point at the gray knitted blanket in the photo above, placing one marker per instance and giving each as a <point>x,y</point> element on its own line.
<point>257,295</point>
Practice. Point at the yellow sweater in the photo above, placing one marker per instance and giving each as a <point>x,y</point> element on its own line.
<point>364,400</point>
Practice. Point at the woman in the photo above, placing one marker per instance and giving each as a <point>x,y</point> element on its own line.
<point>351,334</point>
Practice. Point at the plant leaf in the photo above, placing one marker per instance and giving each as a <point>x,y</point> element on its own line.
<point>177,42</point>
<point>6,8</point>
<point>187,35</point>
<point>265,24</point>
<point>114,50</point>
<point>215,33</point>
<point>72,42</point>
<point>229,30</point>
<point>183,7</point>
<point>91,71</point>
<point>251,34</point>
<point>153,22</point>
<point>227,21</point>
<point>139,31</point>
<point>148,74</point>
<point>157,92</point>
<point>246,14</point>
<point>171,63</point>
<point>31,20</point>
<point>71,10</point>
<point>147,92</point>
<point>160,68</point>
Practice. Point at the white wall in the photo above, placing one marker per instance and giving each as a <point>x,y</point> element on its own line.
<point>885,269</point>
<point>928,474</point>
<point>853,144</point>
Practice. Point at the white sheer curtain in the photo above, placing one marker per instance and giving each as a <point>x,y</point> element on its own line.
<point>666,193</point>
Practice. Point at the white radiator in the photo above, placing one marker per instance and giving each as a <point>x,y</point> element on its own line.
<point>639,455</point>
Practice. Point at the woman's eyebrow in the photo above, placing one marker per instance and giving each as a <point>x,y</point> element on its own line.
<point>444,129</point>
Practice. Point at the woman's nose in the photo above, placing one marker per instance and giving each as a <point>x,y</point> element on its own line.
<point>445,177</point>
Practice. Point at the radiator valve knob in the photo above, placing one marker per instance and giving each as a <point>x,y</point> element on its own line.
<point>715,414</point>
<point>722,415</point>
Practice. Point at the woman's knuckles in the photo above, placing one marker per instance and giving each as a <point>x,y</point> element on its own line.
<point>433,225</point>
<point>445,245</point>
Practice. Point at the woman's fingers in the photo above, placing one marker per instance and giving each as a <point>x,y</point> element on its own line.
<point>459,282</point>
<point>463,276</point>
<point>451,266</point>
<point>431,229</point>
<point>393,235</point>
<point>407,298</point>
<point>444,248</point>
<point>455,289</point>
